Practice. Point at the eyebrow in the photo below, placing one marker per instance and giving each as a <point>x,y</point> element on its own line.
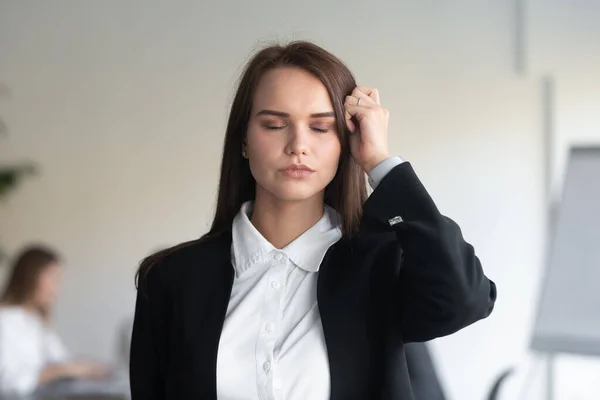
<point>328,114</point>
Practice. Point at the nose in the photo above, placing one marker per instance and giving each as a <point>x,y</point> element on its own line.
<point>298,141</point>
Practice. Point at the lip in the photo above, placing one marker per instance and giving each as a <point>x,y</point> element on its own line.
<point>298,167</point>
<point>297,171</point>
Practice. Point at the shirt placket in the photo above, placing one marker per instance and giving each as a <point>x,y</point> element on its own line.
<point>266,365</point>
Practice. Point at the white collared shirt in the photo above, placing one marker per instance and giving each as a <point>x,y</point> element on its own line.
<point>272,345</point>
<point>27,345</point>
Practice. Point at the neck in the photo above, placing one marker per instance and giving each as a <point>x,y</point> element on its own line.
<point>32,308</point>
<point>281,222</point>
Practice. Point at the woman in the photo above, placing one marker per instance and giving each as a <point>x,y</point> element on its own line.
<point>303,288</point>
<point>31,354</point>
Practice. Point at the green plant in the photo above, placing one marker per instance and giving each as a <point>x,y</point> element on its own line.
<point>10,174</point>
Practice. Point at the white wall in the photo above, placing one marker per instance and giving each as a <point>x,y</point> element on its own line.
<point>564,44</point>
<point>123,104</point>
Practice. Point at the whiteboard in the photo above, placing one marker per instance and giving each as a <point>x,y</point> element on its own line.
<point>568,319</point>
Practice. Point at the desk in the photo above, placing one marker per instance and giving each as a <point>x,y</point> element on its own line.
<point>68,397</point>
<point>115,388</point>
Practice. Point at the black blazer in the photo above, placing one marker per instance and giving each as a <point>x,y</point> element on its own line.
<point>422,372</point>
<point>390,284</point>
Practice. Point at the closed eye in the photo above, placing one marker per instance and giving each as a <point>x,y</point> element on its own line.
<point>280,127</point>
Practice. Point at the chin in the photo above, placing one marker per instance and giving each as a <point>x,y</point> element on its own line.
<point>295,192</point>
<point>289,190</point>
<point>295,195</point>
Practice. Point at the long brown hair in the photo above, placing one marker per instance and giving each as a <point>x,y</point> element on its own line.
<point>24,276</point>
<point>347,191</point>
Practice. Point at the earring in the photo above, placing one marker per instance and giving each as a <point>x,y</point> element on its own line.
<point>244,154</point>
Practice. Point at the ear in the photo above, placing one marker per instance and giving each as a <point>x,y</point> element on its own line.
<point>244,149</point>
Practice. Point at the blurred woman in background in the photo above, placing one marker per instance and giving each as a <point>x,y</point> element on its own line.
<point>31,354</point>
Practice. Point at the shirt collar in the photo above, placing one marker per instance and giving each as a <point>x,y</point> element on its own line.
<point>307,251</point>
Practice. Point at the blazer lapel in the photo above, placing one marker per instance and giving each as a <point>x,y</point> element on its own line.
<point>341,292</point>
<point>204,298</point>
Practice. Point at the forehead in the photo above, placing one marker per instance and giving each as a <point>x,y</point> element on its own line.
<point>291,90</point>
<point>51,269</point>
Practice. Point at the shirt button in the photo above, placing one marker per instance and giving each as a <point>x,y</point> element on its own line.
<point>275,285</point>
<point>278,256</point>
<point>269,327</point>
<point>267,366</point>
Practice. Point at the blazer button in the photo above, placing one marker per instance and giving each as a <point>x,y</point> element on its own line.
<point>396,220</point>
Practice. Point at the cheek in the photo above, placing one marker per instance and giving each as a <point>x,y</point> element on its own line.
<point>260,152</point>
<point>44,288</point>
<point>329,153</point>
<point>264,151</point>
<point>47,287</point>
<point>264,144</point>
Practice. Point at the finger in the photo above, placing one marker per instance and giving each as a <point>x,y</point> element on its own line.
<point>351,126</point>
<point>365,99</point>
<point>349,122</point>
<point>371,92</point>
<point>364,89</point>
<point>353,113</point>
<point>362,101</point>
<point>375,96</point>
<point>358,113</point>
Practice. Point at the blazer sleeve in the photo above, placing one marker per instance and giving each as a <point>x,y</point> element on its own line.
<point>148,338</point>
<point>440,287</point>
